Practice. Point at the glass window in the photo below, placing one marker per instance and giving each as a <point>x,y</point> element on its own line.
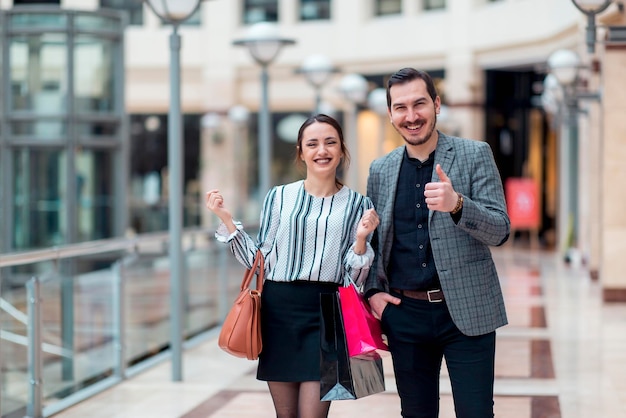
<point>40,20</point>
<point>314,9</point>
<point>91,22</point>
<point>43,129</point>
<point>89,131</point>
<point>387,7</point>
<point>434,4</point>
<point>38,73</point>
<point>39,182</point>
<point>20,2</point>
<point>134,8</point>
<point>93,75</point>
<point>94,189</point>
<point>260,11</point>
<point>40,204</point>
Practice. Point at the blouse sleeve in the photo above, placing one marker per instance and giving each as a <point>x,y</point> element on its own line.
<point>242,245</point>
<point>357,266</point>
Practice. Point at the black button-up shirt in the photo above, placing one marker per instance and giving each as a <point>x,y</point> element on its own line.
<point>411,265</point>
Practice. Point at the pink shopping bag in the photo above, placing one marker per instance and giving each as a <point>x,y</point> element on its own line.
<point>363,332</point>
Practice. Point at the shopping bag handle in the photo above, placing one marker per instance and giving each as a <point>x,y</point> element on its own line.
<point>259,262</point>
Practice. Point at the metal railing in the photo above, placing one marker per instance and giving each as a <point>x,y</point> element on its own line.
<point>78,319</point>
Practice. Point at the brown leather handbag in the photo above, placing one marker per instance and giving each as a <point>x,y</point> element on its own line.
<point>241,331</point>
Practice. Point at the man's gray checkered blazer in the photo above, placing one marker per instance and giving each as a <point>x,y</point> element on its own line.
<point>461,251</point>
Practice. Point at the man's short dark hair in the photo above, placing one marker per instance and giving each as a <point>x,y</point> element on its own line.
<point>406,75</point>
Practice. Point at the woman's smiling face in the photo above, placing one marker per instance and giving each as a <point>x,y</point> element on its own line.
<point>320,149</point>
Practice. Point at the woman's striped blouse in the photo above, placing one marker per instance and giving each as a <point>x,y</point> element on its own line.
<point>304,237</point>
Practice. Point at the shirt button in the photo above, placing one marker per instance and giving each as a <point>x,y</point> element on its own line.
<point>418,206</point>
<point>421,247</point>
<point>423,264</point>
<point>419,226</point>
<point>418,185</point>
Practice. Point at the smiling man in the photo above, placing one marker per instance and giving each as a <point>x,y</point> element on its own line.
<point>433,282</point>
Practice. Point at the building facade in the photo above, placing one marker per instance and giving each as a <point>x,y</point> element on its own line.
<point>489,59</point>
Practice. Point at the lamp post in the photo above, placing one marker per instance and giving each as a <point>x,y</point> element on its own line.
<point>264,43</point>
<point>317,69</point>
<point>239,116</point>
<point>354,89</point>
<point>328,108</point>
<point>552,94</point>
<point>591,8</point>
<point>377,101</point>
<point>564,65</point>
<point>175,12</point>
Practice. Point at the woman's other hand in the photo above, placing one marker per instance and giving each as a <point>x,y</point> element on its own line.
<point>215,203</point>
<point>368,224</point>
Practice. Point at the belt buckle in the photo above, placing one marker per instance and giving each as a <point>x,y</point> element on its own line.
<point>430,299</point>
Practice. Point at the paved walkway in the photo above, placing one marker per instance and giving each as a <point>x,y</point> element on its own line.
<point>563,355</point>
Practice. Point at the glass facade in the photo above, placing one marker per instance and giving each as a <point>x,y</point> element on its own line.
<point>260,11</point>
<point>387,7</point>
<point>434,4</point>
<point>63,147</point>
<point>134,8</point>
<point>315,9</point>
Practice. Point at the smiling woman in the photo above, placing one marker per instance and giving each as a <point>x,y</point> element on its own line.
<point>314,236</point>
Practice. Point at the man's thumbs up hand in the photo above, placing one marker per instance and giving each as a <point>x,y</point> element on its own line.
<point>441,195</point>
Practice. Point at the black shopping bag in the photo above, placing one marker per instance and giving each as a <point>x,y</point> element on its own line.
<point>342,376</point>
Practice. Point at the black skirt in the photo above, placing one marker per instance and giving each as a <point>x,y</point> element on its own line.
<point>290,327</point>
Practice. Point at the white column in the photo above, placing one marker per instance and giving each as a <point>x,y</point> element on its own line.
<point>613,260</point>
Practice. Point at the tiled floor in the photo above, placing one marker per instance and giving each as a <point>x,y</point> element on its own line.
<point>563,355</point>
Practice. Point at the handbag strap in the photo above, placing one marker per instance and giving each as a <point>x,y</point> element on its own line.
<point>259,262</point>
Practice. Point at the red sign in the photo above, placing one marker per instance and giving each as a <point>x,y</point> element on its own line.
<point>522,200</point>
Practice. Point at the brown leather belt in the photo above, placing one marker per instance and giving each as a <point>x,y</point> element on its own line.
<point>435,295</point>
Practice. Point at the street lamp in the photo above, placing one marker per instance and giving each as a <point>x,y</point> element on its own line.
<point>377,101</point>
<point>551,95</point>
<point>239,116</point>
<point>354,89</point>
<point>264,43</point>
<point>591,8</point>
<point>328,108</point>
<point>564,65</point>
<point>175,12</point>
<point>317,69</point>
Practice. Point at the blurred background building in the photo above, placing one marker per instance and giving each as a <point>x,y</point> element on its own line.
<point>86,94</point>
<point>489,59</point>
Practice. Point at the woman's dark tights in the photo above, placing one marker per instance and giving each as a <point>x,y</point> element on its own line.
<point>298,400</point>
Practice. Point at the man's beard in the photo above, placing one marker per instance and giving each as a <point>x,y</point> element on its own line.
<point>422,140</point>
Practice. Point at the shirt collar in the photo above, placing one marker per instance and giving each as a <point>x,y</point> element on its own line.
<point>415,161</point>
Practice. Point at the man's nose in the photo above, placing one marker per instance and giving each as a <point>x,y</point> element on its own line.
<point>411,115</point>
